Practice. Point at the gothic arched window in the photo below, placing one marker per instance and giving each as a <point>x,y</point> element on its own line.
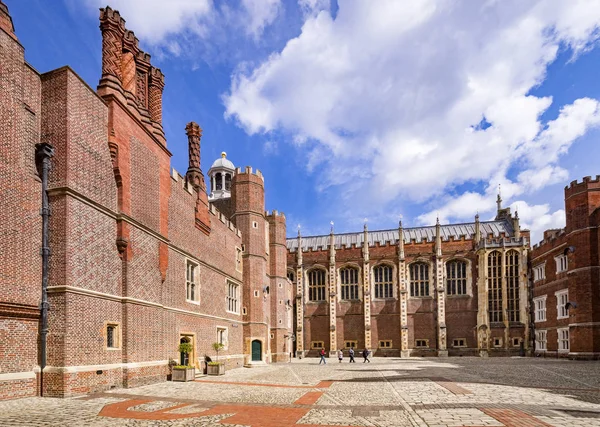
<point>384,282</point>
<point>419,279</point>
<point>512,285</point>
<point>316,285</point>
<point>349,280</point>
<point>494,261</point>
<point>456,277</point>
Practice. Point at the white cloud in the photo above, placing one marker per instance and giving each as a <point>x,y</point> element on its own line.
<point>390,96</point>
<point>313,7</point>
<point>260,14</point>
<point>153,20</point>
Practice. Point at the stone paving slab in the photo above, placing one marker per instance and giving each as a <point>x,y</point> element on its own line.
<point>389,392</point>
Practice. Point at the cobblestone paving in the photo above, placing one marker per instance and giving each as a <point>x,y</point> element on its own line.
<point>389,392</point>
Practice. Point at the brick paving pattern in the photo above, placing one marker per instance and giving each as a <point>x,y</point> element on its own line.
<point>390,392</point>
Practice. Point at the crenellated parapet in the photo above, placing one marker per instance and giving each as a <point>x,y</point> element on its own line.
<point>128,75</point>
<point>586,184</point>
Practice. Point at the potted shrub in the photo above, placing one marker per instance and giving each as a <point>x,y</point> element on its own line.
<point>216,368</point>
<point>184,372</point>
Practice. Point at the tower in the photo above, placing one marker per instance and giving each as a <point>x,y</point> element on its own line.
<point>248,205</point>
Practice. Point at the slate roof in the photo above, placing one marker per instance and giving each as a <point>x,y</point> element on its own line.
<point>417,233</point>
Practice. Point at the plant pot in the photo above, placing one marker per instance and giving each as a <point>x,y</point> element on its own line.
<point>188,374</point>
<point>216,369</point>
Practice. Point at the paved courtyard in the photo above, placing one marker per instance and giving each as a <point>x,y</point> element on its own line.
<point>388,392</point>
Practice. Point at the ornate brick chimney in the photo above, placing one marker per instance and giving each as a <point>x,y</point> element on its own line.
<point>195,177</point>
<point>6,22</point>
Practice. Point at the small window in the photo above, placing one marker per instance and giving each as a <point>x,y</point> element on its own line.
<point>280,285</point>
<point>280,321</point>
<point>562,263</point>
<point>540,308</point>
<point>562,298</point>
<point>516,342</point>
<point>112,336</point>
<point>385,344</point>
<point>422,343</point>
<point>539,272</point>
<point>233,291</point>
<point>244,311</point>
<point>222,336</point>
<point>350,344</point>
<point>191,287</point>
<point>256,293</point>
<point>497,342</point>
<point>563,339</point>
<point>540,340</point>
<point>317,344</point>
<point>272,336</point>
<point>291,275</point>
<point>254,224</point>
<point>459,342</point>
<point>238,259</point>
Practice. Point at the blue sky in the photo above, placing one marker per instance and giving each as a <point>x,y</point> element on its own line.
<point>361,109</point>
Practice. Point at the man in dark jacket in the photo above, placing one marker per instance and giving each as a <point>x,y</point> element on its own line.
<point>351,353</point>
<point>366,355</point>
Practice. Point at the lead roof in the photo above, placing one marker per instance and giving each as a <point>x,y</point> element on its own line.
<point>417,233</point>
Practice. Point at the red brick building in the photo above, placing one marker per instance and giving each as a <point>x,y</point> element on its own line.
<point>566,278</point>
<point>141,260</point>
<point>458,289</point>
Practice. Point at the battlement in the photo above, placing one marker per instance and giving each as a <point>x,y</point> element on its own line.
<point>248,171</point>
<point>183,183</point>
<point>578,187</point>
<point>550,236</point>
<point>275,213</point>
<point>221,217</point>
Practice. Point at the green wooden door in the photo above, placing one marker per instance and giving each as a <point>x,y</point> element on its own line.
<point>256,350</point>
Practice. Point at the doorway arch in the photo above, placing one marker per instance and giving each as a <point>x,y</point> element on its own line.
<point>256,350</point>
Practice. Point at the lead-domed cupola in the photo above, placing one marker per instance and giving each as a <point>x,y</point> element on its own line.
<point>221,173</point>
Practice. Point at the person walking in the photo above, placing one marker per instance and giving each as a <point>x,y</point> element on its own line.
<point>351,354</point>
<point>340,355</point>
<point>322,357</point>
<point>366,355</point>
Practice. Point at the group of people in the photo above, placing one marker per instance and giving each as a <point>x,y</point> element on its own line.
<point>365,355</point>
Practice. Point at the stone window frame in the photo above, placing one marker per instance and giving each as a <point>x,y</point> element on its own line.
<point>516,341</point>
<point>500,340</point>
<point>346,342</point>
<point>117,337</point>
<point>239,265</point>
<point>561,311</point>
<point>537,311</point>
<point>359,281</point>
<point>307,284</point>
<point>290,271</point>
<point>541,336</point>
<point>563,338</point>
<point>430,277</point>
<point>539,272</point>
<point>386,344</point>
<point>236,300</point>
<point>194,282</point>
<point>562,263</point>
<point>222,338</point>
<point>468,277</point>
<point>317,344</point>
<point>394,280</point>
<point>459,345</point>
<point>424,343</point>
